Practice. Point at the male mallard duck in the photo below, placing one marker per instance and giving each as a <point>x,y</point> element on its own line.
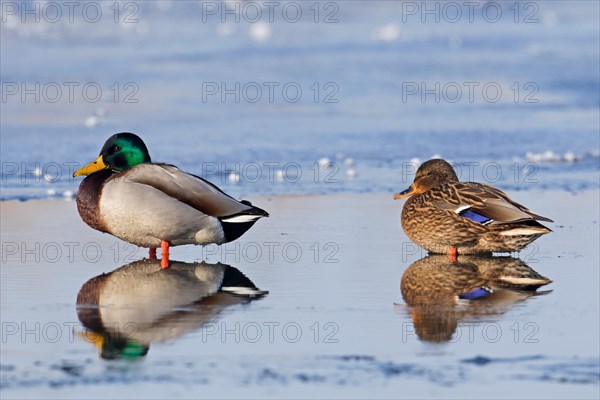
<point>447,216</point>
<point>154,204</point>
<point>128,309</point>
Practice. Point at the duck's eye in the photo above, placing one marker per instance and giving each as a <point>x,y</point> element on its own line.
<point>115,149</point>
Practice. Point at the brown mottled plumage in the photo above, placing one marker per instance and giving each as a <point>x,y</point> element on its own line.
<point>435,279</point>
<point>432,287</point>
<point>434,216</point>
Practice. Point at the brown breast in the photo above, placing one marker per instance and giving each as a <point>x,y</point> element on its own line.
<point>88,199</point>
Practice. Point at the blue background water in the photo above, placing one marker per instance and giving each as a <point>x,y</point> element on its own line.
<point>370,58</point>
<point>367,56</point>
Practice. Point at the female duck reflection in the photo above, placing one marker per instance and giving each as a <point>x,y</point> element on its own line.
<point>440,292</point>
<point>140,303</point>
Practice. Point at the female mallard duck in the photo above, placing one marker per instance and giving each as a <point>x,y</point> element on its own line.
<point>435,280</point>
<point>447,216</point>
<point>154,204</point>
<point>440,293</point>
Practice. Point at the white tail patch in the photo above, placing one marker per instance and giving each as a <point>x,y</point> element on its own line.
<point>238,219</point>
<point>243,291</point>
<point>515,280</point>
<point>524,232</point>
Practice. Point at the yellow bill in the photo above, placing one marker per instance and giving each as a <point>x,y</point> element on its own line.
<point>92,337</point>
<point>96,165</point>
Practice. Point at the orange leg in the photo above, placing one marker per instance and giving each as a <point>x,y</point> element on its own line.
<point>152,253</point>
<point>453,254</point>
<point>164,261</point>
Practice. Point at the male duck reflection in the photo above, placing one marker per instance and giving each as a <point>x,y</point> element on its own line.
<point>447,216</point>
<point>154,204</point>
<point>441,292</point>
<point>128,309</point>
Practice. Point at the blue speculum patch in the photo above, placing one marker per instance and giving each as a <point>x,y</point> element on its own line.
<point>473,216</point>
<point>474,294</point>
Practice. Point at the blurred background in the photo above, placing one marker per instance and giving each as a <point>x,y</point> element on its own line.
<point>303,97</point>
<point>267,98</point>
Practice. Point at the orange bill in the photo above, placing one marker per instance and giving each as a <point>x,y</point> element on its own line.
<point>406,193</point>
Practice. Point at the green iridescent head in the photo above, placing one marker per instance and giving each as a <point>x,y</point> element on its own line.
<point>120,152</point>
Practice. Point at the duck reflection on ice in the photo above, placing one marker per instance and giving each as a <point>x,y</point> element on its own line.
<point>440,293</point>
<point>131,307</point>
